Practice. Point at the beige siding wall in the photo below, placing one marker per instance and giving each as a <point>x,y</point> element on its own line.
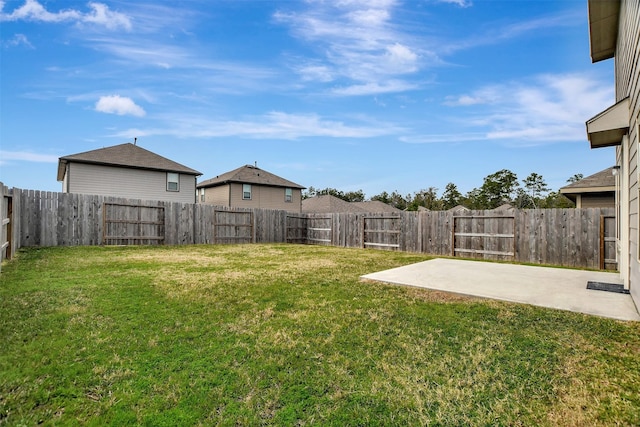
<point>587,201</point>
<point>218,196</point>
<point>126,182</point>
<point>266,198</point>
<point>627,68</point>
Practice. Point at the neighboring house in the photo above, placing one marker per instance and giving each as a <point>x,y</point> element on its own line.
<point>376,206</point>
<point>251,187</point>
<point>459,209</point>
<point>332,204</point>
<point>614,31</point>
<point>504,208</point>
<point>595,191</point>
<point>129,171</point>
<point>328,204</point>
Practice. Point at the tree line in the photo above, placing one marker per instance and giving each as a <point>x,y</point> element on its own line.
<point>497,189</point>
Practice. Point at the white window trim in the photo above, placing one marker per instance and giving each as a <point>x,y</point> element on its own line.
<point>177,181</point>
<point>288,195</point>
<point>244,186</point>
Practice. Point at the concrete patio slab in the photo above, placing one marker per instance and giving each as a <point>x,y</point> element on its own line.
<point>559,288</point>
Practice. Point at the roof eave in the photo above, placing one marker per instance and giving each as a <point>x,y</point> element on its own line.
<point>584,190</point>
<point>603,28</point>
<point>607,128</point>
<point>236,181</point>
<point>66,160</point>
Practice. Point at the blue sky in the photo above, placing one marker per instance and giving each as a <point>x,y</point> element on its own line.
<point>378,95</point>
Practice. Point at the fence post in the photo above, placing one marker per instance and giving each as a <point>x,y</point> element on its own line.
<point>6,213</point>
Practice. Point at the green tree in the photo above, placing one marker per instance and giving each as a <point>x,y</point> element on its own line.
<point>555,199</point>
<point>399,201</point>
<point>536,188</point>
<point>498,188</point>
<point>425,198</point>
<point>474,199</point>
<point>451,196</point>
<point>350,196</point>
<point>383,197</point>
<point>575,178</point>
<point>354,196</point>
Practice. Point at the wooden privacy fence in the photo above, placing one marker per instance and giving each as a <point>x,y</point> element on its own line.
<point>381,232</point>
<point>566,237</point>
<point>128,224</point>
<point>482,235</point>
<point>8,244</point>
<point>233,227</point>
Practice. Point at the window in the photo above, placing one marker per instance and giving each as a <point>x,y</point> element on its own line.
<point>173,181</point>
<point>246,191</point>
<point>202,194</point>
<point>288,195</point>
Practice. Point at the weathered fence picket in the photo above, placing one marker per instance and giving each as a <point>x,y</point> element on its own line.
<point>567,237</point>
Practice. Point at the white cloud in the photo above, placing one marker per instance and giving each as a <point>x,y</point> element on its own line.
<point>31,10</point>
<point>18,40</point>
<point>313,72</point>
<point>273,125</point>
<point>359,43</point>
<point>461,3</point>
<point>100,14</point>
<point>500,33</point>
<point>373,88</point>
<point>26,156</point>
<point>115,104</point>
<point>486,95</point>
<point>546,108</point>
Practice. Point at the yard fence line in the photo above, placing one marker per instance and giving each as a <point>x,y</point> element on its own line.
<point>8,226</point>
<point>565,237</point>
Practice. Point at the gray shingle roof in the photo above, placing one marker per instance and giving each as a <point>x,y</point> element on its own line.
<point>332,204</point>
<point>125,155</point>
<point>328,204</point>
<point>601,181</point>
<point>376,206</point>
<point>249,175</point>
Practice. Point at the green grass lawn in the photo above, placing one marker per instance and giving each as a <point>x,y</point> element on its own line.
<point>288,335</point>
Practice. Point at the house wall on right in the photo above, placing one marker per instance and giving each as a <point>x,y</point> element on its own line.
<point>627,78</point>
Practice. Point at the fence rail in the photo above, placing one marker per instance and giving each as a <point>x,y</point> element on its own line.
<point>565,237</point>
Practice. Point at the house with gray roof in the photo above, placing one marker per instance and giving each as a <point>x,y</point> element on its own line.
<point>128,171</point>
<point>251,187</point>
<point>595,191</point>
<point>332,204</point>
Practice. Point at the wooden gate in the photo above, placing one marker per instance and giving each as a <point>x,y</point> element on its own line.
<point>381,232</point>
<point>319,230</point>
<point>309,230</point>
<point>608,259</point>
<point>233,227</point>
<point>296,229</point>
<point>487,237</point>
<point>125,224</point>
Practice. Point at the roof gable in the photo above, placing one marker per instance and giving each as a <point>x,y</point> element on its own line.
<point>249,175</point>
<point>125,155</point>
